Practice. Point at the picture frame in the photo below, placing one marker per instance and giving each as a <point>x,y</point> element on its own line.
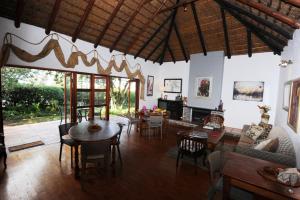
<point>150,85</point>
<point>173,85</point>
<point>248,90</point>
<point>203,87</point>
<point>293,114</point>
<point>286,95</point>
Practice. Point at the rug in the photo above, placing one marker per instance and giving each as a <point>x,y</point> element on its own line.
<point>25,146</point>
<point>187,159</point>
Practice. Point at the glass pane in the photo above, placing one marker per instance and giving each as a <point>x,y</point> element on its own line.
<point>100,83</point>
<point>83,81</point>
<point>132,96</point>
<point>100,112</point>
<point>83,99</point>
<point>99,98</point>
<point>68,96</point>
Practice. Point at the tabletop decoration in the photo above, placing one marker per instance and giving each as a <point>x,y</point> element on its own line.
<point>94,128</point>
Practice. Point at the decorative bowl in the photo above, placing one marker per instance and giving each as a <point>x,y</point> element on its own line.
<point>94,128</point>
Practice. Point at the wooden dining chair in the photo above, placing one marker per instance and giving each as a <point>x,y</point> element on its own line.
<point>94,153</point>
<point>116,142</point>
<point>191,146</point>
<point>65,139</point>
<point>3,150</point>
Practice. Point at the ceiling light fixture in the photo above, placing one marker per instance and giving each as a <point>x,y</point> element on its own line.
<point>285,63</point>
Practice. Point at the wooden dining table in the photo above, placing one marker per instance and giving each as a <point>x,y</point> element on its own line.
<point>81,133</point>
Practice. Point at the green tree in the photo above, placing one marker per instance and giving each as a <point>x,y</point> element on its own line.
<point>10,76</point>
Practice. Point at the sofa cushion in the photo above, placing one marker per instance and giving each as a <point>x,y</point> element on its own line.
<point>272,146</point>
<point>263,144</point>
<point>267,129</point>
<point>254,132</point>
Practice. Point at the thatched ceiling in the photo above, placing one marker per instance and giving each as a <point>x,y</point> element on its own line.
<point>163,30</point>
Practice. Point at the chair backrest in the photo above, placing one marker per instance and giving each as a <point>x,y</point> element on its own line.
<point>95,148</point>
<point>120,131</point>
<point>190,144</point>
<point>64,129</point>
<point>155,120</point>
<point>215,163</point>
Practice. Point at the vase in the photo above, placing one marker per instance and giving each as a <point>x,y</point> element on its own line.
<point>265,118</point>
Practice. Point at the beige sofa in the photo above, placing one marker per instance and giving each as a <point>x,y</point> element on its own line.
<point>285,153</point>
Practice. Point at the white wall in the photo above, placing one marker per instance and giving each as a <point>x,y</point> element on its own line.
<point>206,66</point>
<point>292,52</point>
<point>260,67</point>
<point>177,70</point>
<point>35,34</point>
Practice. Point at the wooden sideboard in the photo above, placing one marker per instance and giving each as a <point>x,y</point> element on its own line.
<point>173,106</point>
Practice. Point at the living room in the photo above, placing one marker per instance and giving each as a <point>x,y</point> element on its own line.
<point>277,76</point>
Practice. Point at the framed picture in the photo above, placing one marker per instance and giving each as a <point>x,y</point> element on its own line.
<point>173,85</point>
<point>203,87</point>
<point>286,95</point>
<point>293,116</point>
<point>248,90</point>
<point>150,82</point>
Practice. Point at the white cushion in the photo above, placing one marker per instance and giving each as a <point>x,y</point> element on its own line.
<point>263,144</point>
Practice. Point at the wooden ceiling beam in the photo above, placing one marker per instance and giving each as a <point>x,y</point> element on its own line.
<point>83,19</point>
<point>295,3</point>
<point>199,31</point>
<point>157,58</point>
<point>108,22</point>
<point>156,47</point>
<point>249,42</point>
<point>171,53</point>
<point>128,23</point>
<point>169,34</point>
<point>268,11</point>
<point>275,27</point>
<point>144,28</point>
<point>180,42</point>
<point>228,52</point>
<point>53,16</point>
<point>153,36</point>
<point>19,12</point>
<point>272,44</point>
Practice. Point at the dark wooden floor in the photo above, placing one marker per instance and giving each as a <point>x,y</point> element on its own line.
<point>147,173</point>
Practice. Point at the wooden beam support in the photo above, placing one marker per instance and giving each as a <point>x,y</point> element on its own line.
<point>152,36</point>
<point>200,34</point>
<point>128,23</point>
<point>19,12</point>
<point>295,3</point>
<point>144,28</point>
<point>83,19</point>
<point>268,11</point>
<point>109,21</point>
<point>157,46</point>
<point>180,42</point>
<point>271,43</point>
<point>249,42</point>
<point>177,5</point>
<point>228,52</point>
<point>275,27</point>
<point>171,53</point>
<point>53,16</point>
<point>169,33</point>
<point>157,58</point>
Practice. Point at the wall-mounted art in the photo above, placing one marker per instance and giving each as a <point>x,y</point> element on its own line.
<point>150,83</point>
<point>203,87</point>
<point>286,95</point>
<point>248,90</point>
<point>173,85</point>
<point>293,117</point>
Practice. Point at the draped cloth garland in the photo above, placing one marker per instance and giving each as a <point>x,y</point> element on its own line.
<point>72,61</point>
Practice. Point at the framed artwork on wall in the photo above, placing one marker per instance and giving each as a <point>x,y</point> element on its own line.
<point>248,90</point>
<point>286,95</point>
<point>293,116</point>
<point>203,87</point>
<point>150,84</point>
<point>173,85</point>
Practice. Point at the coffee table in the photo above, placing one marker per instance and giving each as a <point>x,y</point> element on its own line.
<point>240,171</point>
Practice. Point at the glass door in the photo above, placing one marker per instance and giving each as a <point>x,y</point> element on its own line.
<point>100,97</point>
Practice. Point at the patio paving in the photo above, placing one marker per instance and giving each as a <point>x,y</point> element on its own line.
<point>47,132</point>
